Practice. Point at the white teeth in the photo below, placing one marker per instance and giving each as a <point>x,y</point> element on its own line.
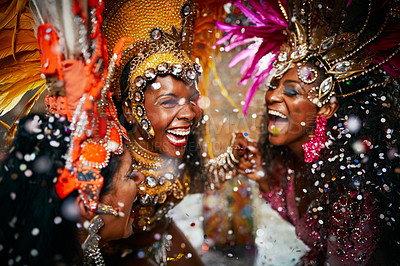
<point>177,141</point>
<point>179,132</point>
<point>276,113</point>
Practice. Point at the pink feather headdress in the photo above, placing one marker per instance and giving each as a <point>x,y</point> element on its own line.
<point>264,38</point>
<point>350,38</point>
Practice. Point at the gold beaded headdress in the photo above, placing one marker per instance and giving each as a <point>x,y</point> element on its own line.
<point>343,39</point>
<point>159,39</point>
<point>339,52</point>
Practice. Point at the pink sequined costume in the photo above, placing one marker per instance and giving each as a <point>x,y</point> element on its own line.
<point>345,235</point>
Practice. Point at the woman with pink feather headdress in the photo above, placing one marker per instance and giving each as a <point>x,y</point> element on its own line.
<point>327,160</point>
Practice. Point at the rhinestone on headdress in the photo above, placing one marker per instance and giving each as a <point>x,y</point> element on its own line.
<point>151,181</point>
<point>138,96</point>
<point>186,10</point>
<point>140,82</point>
<point>150,74</point>
<point>140,110</point>
<point>156,34</point>
<point>176,69</point>
<point>163,68</point>
<point>191,74</point>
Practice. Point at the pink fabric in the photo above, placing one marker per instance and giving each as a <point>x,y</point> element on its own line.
<point>345,235</point>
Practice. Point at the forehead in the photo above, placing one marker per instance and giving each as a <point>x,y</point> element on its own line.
<point>169,85</point>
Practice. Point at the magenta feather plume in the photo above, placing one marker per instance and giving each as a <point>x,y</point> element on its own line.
<point>264,38</point>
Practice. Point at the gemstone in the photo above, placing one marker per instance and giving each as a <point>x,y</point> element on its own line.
<point>198,68</point>
<point>140,110</point>
<point>326,85</point>
<point>138,96</point>
<point>305,73</point>
<point>163,68</point>
<point>161,180</point>
<point>139,82</point>
<point>281,68</point>
<point>145,199</point>
<point>190,74</point>
<point>156,34</point>
<point>299,52</point>
<point>151,181</point>
<point>155,199</point>
<point>145,124</point>
<point>328,43</point>
<point>176,69</point>
<point>150,73</point>
<point>341,66</point>
<point>186,10</point>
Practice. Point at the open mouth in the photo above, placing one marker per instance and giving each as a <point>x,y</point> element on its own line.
<point>277,122</point>
<point>178,136</point>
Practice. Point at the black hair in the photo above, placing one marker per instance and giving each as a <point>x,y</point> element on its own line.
<point>362,157</point>
<point>34,229</point>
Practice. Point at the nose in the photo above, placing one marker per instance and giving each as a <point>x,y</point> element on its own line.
<point>273,95</point>
<point>188,111</point>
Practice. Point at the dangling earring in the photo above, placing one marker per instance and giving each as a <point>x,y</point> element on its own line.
<point>316,143</point>
<point>90,247</point>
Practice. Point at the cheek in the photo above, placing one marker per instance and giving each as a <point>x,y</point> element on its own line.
<point>198,111</point>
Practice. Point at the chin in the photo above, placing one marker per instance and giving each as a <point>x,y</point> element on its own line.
<point>276,140</point>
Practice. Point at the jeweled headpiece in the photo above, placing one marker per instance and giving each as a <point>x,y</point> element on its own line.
<point>159,39</point>
<point>343,39</point>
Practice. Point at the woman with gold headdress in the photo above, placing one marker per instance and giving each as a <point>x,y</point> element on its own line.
<point>67,184</point>
<point>155,91</point>
<point>328,160</point>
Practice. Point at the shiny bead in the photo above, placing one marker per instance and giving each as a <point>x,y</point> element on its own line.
<point>150,73</point>
<point>140,110</point>
<point>145,124</point>
<point>151,181</point>
<point>198,68</point>
<point>186,9</point>
<point>138,96</point>
<point>161,180</point>
<point>163,68</point>
<point>190,74</point>
<point>156,34</point>
<point>139,82</point>
<point>155,199</point>
<point>145,199</point>
<point>176,69</point>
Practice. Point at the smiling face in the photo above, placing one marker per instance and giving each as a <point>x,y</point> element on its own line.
<point>121,197</point>
<point>172,109</point>
<point>291,114</point>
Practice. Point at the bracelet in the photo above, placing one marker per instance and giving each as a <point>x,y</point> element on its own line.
<point>232,157</point>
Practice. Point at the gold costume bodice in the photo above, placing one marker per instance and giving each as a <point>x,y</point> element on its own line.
<point>164,186</point>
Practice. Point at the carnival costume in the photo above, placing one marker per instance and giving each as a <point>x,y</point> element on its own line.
<point>160,39</point>
<point>356,45</point>
<point>69,56</point>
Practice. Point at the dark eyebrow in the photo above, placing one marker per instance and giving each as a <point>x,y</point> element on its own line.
<point>167,94</point>
<point>295,81</point>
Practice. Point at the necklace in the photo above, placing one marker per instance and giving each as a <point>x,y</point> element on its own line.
<point>161,189</point>
<point>144,158</point>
